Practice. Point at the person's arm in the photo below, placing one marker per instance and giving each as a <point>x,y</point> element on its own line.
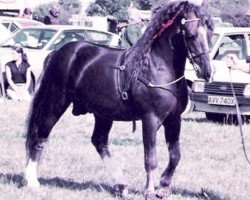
<point>9,78</point>
<point>28,79</point>
<point>234,63</point>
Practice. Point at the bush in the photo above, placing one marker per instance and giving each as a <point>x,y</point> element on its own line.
<point>67,8</point>
<point>238,20</point>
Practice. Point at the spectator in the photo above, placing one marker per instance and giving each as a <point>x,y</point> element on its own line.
<point>234,63</point>
<point>18,76</point>
<point>52,18</point>
<point>134,29</point>
<point>195,2</point>
<point>27,13</point>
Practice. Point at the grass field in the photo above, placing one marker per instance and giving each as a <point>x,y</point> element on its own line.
<point>212,164</point>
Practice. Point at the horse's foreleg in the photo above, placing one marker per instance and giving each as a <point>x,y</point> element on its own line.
<point>100,141</point>
<point>44,114</point>
<point>172,132</point>
<point>150,125</point>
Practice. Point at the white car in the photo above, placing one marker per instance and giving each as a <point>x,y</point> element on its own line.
<point>216,98</point>
<point>39,41</point>
<point>13,24</point>
<point>5,33</point>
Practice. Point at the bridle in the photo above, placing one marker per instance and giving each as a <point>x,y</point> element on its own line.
<point>191,55</point>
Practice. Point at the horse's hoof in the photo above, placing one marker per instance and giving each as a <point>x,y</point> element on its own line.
<point>149,195</point>
<point>163,193</point>
<point>121,190</point>
<point>31,183</point>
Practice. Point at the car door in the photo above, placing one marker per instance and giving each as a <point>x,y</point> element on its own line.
<point>230,44</point>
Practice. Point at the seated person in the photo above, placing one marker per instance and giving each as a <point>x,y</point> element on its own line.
<point>18,76</point>
<point>234,63</point>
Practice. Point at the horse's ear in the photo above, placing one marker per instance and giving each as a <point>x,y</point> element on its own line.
<point>183,5</point>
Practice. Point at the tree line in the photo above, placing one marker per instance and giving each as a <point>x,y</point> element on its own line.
<point>236,12</point>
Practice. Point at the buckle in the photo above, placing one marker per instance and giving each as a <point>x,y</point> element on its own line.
<point>124,95</point>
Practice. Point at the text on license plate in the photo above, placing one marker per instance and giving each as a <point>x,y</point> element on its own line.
<point>219,100</point>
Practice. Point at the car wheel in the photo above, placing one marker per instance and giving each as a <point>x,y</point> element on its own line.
<point>215,117</point>
<point>229,119</point>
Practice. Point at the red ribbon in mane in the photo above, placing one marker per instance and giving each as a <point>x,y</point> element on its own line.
<point>164,26</point>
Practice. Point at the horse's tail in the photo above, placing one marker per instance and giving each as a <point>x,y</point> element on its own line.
<point>48,104</point>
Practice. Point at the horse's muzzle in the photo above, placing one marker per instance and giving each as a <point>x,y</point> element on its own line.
<point>204,74</point>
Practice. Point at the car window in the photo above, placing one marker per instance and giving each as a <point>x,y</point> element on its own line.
<point>31,38</point>
<point>92,36</point>
<point>66,37</point>
<point>232,44</point>
<point>11,26</point>
<point>98,37</point>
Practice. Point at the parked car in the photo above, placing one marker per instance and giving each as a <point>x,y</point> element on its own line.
<point>216,98</point>
<point>10,25</point>
<point>39,41</point>
<point>4,33</point>
<point>13,24</point>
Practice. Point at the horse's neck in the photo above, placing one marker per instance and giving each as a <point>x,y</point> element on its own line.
<point>163,49</point>
<point>171,51</point>
<point>179,55</point>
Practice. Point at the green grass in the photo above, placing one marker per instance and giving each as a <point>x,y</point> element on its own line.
<point>212,164</point>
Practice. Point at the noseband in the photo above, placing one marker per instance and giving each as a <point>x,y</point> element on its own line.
<point>191,55</point>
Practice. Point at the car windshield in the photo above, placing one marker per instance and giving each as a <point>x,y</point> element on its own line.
<point>213,40</point>
<point>30,38</point>
<point>232,44</point>
<point>78,35</point>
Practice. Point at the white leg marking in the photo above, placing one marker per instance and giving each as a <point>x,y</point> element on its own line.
<point>31,174</point>
<point>115,171</point>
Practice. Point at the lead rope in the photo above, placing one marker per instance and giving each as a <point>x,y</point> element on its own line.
<point>239,119</point>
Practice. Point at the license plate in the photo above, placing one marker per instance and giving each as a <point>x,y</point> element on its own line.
<point>219,100</point>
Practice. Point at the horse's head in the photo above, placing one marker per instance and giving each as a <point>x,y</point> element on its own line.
<point>179,26</point>
<point>196,30</point>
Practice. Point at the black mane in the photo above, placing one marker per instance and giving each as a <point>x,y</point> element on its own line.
<point>137,56</point>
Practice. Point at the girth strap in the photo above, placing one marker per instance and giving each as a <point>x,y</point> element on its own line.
<point>122,88</point>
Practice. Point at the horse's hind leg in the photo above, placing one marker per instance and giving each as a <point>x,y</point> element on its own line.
<point>46,111</point>
<point>172,131</point>
<point>100,141</point>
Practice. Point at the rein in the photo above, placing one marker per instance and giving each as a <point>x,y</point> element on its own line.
<point>239,120</point>
<point>159,86</point>
<point>149,84</point>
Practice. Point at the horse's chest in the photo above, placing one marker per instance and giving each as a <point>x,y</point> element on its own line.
<point>157,100</point>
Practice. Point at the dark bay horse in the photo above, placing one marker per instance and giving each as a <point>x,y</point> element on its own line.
<point>144,83</point>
